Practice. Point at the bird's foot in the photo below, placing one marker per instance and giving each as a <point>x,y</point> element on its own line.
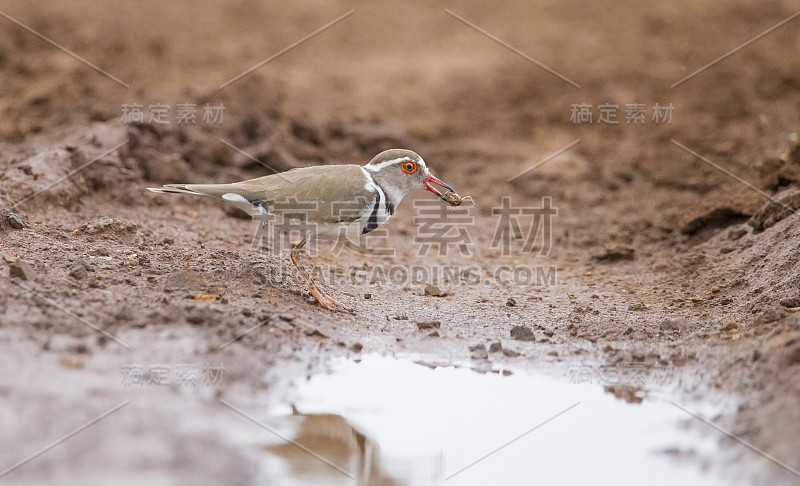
<point>326,301</point>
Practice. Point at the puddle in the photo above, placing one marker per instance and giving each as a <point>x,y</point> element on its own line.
<point>383,421</point>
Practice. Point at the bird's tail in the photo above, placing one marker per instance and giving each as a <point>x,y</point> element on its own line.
<point>228,192</point>
<point>198,189</point>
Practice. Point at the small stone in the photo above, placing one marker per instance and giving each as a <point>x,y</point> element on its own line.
<point>477,347</point>
<point>496,347</point>
<point>22,270</point>
<point>16,221</point>
<point>367,296</point>
<point>730,326</point>
<point>790,303</point>
<point>434,334</point>
<point>510,353</point>
<point>78,272</point>
<point>770,315</point>
<point>637,307</point>
<point>423,326</point>
<point>522,333</point>
<point>638,356</point>
<point>511,302</point>
<point>628,331</point>
<point>434,291</point>
<point>357,347</point>
<point>315,332</point>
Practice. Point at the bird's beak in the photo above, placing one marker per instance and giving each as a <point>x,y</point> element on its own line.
<point>432,180</point>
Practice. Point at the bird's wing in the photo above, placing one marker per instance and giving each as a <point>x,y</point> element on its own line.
<point>324,194</point>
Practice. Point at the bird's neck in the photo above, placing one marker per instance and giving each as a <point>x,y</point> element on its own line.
<point>393,193</point>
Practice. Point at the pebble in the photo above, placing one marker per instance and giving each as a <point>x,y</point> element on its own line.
<point>434,291</point>
<point>522,333</point>
<point>357,347</point>
<point>22,270</point>
<point>496,347</point>
<point>511,302</point>
<point>422,326</point>
<point>790,303</point>
<point>16,221</point>
<point>78,272</point>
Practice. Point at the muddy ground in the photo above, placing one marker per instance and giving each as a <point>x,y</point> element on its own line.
<point>658,257</point>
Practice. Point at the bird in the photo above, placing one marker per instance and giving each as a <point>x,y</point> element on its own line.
<point>327,201</point>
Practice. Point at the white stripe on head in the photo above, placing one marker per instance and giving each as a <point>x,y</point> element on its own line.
<point>387,163</point>
<point>383,164</point>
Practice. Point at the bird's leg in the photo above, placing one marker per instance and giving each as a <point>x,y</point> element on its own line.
<point>324,300</point>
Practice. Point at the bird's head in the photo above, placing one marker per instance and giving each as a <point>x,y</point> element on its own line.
<point>399,171</point>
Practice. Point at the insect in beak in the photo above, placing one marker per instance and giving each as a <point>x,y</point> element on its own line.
<point>433,180</point>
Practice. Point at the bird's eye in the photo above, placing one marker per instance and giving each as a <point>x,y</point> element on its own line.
<point>409,166</point>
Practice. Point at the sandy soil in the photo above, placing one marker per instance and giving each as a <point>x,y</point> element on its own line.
<point>657,257</point>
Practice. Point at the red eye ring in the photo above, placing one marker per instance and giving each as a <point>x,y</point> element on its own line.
<point>409,166</point>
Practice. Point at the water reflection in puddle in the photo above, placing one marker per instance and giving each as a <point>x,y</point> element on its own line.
<point>384,421</point>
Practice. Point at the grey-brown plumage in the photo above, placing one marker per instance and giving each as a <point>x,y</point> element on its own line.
<point>327,201</point>
<point>295,199</point>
